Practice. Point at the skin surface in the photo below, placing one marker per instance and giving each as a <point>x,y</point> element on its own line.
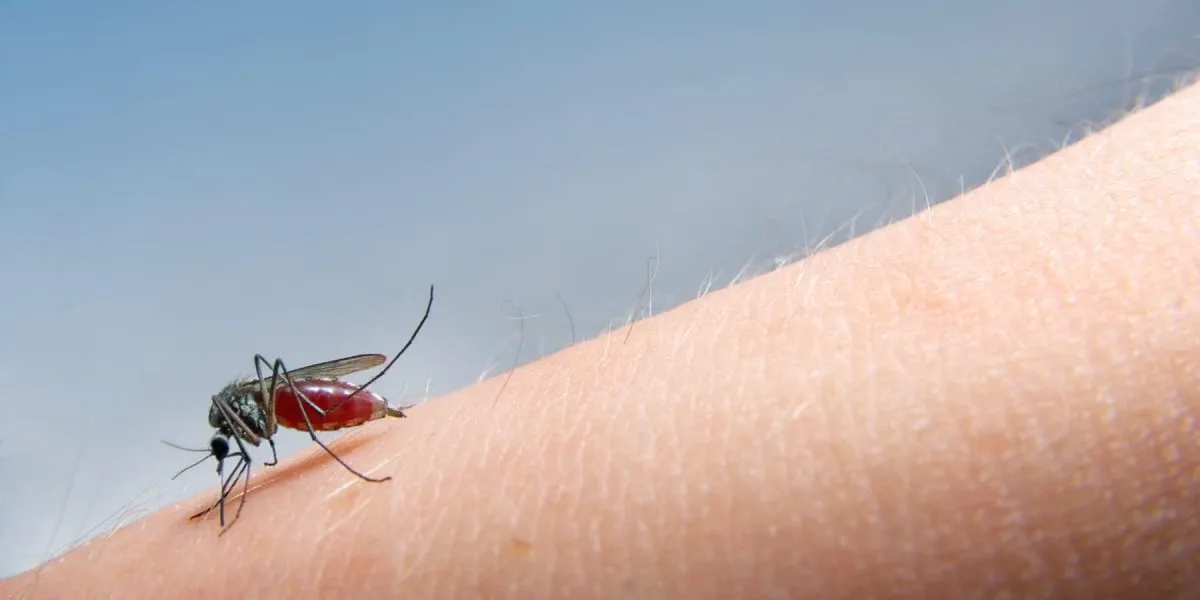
<point>996,398</point>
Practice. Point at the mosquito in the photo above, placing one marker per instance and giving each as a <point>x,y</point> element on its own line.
<point>310,398</point>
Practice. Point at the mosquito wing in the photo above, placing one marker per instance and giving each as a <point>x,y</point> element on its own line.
<point>331,368</point>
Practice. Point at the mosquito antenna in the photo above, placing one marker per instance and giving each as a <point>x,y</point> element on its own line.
<point>178,447</point>
<point>181,471</point>
<point>411,339</point>
<point>207,453</point>
<point>218,448</point>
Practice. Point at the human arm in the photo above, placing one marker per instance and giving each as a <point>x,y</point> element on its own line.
<point>999,394</point>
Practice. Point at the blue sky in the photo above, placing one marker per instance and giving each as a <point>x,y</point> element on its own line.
<point>185,184</point>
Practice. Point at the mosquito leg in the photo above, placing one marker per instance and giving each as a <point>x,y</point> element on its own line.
<point>240,470</point>
<point>287,378</point>
<point>312,433</point>
<point>258,361</point>
<point>268,397</point>
<point>244,464</point>
<point>274,455</point>
<point>280,371</point>
<point>226,485</point>
<point>411,339</point>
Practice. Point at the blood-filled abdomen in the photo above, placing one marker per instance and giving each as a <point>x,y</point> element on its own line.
<point>331,396</point>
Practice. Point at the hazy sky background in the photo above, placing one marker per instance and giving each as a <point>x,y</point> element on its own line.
<point>185,184</point>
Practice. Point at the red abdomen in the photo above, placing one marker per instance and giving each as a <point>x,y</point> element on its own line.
<point>327,393</point>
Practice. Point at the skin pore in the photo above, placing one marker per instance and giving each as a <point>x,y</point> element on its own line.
<point>995,398</point>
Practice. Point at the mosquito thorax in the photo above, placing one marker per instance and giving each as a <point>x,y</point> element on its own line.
<point>243,404</point>
<point>215,419</point>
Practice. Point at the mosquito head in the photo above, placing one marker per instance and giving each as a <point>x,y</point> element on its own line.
<point>218,447</point>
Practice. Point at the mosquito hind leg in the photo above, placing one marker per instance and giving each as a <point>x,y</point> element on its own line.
<point>312,433</point>
<point>279,372</point>
<point>412,338</point>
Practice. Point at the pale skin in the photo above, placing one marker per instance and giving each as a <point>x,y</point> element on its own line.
<point>996,396</point>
